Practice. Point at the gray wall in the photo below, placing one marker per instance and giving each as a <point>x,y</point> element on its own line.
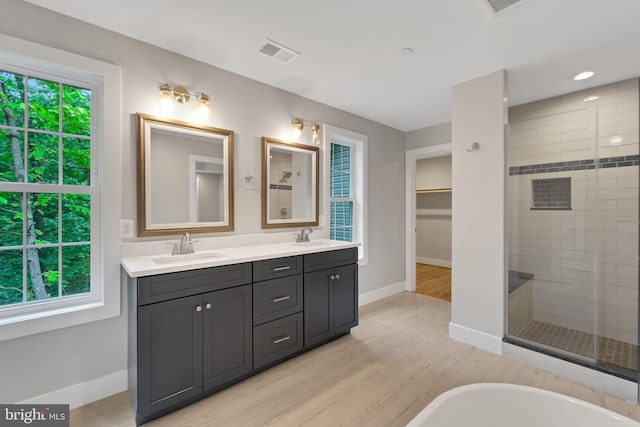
<point>425,137</point>
<point>65,357</point>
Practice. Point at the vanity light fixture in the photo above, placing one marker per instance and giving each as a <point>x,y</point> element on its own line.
<point>297,125</point>
<point>179,94</point>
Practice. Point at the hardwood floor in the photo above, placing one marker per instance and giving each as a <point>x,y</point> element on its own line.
<point>433,281</point>
<point>392,365</point>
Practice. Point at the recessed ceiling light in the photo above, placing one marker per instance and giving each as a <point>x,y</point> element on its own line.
<point>591,98</point>
<point>583,75</point>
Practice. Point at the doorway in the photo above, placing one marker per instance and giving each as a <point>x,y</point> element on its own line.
<point>428,221</point>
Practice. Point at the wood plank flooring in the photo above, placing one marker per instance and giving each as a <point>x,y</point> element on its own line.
<point>392,365</point>
<point>433,281</point>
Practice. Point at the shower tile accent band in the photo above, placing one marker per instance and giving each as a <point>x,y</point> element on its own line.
<point>576,165</point>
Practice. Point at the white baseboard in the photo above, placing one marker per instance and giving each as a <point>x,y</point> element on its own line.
<point>84,393</point>
<point>624,389</point>
<point>475,338</point>
<point>375,295</point>
<point>433,261</point>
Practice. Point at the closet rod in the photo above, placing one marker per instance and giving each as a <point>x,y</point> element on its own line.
<point>436,190</point>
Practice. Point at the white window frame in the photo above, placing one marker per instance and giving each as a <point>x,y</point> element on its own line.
<point>103,301</point>
<point>358,144</point>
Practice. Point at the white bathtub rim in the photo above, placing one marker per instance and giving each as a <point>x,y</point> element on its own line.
<point>435,404</point>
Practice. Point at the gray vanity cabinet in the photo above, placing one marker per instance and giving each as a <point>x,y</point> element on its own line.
<point>192,333</point>
<point>185,347</point>
<point>330,295</point>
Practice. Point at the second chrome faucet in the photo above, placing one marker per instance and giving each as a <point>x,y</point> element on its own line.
<point>304,235</point>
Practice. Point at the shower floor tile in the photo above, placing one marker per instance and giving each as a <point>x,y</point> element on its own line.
<point>610,351</point>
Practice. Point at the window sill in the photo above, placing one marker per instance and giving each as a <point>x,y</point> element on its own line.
<point>55,318</point>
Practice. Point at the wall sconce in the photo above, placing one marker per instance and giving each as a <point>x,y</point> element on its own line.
<point>297,125</point>
<point>179,94</point>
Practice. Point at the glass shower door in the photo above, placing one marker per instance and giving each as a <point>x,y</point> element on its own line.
<point>553,231</point>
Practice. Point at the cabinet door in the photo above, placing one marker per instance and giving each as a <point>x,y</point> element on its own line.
<point>345,298</point>
<point>318,309</point>
<point>227,335</point>
<point>169,353</point>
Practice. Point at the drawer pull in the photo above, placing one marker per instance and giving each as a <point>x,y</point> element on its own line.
<point>283,268</point>
<point>283,339</point>
<point>284,298</point>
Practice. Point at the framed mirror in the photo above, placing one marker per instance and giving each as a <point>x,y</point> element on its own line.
<point>185,177</point>
<point>289,184</point>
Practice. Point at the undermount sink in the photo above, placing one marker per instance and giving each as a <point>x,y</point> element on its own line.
<point>172,259</point>
<point>313,243</point>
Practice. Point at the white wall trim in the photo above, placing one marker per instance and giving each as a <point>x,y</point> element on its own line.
<point>475,338</point>
<point>433,261</point>
<point>84,393</point>
<point>378,294</point>
<point>410,205</point>
<point>624,389</point>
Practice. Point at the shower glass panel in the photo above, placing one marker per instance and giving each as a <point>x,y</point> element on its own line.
<point>573,227</point>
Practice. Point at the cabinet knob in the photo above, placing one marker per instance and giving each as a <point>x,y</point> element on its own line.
<point>332,277</point>
<point>337,276</point>
<point>208,306</point>
<point>198,308</point>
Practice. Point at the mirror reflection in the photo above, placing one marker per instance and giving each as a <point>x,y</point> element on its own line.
<point>185,177</point>
<point>289,184</point>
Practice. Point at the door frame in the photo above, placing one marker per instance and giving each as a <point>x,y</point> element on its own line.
<point>411,156</point>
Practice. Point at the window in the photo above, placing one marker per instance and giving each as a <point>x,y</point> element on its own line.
<point>45,189</point>
<point>59,263</point>
<point>341,210</point>
<point>346,186</point>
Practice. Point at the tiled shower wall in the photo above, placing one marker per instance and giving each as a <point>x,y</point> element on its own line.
<point>584,260</point>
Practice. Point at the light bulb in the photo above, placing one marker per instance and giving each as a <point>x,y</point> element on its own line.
<point>203,104</point>
<point>166,97</point>
<point>296,130</point>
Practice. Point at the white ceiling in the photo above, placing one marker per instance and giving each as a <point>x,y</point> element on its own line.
<point>351,49</point>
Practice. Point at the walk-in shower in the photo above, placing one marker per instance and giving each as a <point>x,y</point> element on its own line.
<point>573,227</point>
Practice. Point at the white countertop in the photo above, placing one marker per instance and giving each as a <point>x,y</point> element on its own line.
<point>148,265</point>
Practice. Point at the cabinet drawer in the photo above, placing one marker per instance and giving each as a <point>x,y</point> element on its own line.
<point>274,268</point>
<point>328,259</point>
<point>273,299</point>
<point>168,286</point>
<point>276,340</point>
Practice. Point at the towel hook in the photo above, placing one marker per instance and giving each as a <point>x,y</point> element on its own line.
<point>474,147</point>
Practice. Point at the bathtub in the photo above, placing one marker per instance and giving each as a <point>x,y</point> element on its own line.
<point>507,405</point>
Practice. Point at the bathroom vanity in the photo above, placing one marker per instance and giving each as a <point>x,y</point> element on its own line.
<point>200,324</point>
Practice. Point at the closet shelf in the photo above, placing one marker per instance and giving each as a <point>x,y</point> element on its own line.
<point>435,190</point>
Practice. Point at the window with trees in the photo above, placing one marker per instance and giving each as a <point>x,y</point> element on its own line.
<point>46,194</point>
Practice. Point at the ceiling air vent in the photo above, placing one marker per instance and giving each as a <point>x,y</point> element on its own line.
<point>278,51</point>
<point>500,5</point>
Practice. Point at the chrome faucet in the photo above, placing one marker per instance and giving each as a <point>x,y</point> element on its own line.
<point>185,246</point>
<point>304,235</point>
